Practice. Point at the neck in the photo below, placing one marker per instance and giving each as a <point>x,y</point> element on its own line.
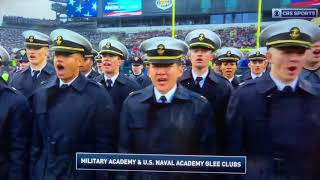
<point>312,65</point>
<point>200,71</point>
<point>136,74</point>
<point>257,74</point>
<point>38,66</point>
<point>110,75</point>
<point>284,81</point>
<point>87,71</point>
<point>69,80</point>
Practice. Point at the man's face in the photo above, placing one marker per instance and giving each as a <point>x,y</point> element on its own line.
<point>37,54</point>
<point>67,65</point>
<point>217,68</point>
<point>99,65</point>
<point>257,66</point>
<point>86,65</point>
<point>286,62</point>
<point>228,69</point>
<point>200,57</point>
<point>111,63</point>
<point>136,69</point>
<point>24,64</point>
<point>313,54</point>
<point>164,77</point>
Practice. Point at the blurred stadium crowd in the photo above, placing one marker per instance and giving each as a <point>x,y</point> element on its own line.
<point>10,35</point>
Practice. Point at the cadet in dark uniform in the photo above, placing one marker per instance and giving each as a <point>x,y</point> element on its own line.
<point>216,67</point>
<point>98,60</point>
<point>15,125</point>
<point>37,46</point>
<point>202,80</point>
<point>118,85</point>
<point>71,114</point>
<point>229,57</point>
<point>275,120</point>
<point>137,74</point>
<point>22,59</point>
<point>87,65</point>
<point>311,70</point>
<point>166,117</point>
<point>257,64</point>
<point>23,62</point>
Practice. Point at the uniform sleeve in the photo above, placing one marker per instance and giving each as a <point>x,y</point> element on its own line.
<point>104,124</point>
<point>124,139</point>
<point>208,131</point>
<point>19,134</point>
<point>234,126</point>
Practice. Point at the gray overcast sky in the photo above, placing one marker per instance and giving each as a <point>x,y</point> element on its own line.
<point>26,8</point>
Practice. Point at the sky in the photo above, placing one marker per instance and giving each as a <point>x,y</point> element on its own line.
<point>27,8</point>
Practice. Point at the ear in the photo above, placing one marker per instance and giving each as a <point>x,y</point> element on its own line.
<point>269,56</point>
<point>121,62</point>
<point>80,59</point>
<point>180,70</point>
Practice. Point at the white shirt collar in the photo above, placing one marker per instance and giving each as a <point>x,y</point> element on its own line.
<point>37,70</point>
<point>87,74</point>
<point>253,76</point>
<point>61,82</point>
<point>113,78</point>
<point>280,85</point>
<point>231,79</point>
<point>195,75</point>
<point>169,95</point>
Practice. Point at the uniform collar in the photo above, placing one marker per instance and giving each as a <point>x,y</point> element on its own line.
<point>280,85</point>
<point>168,95</point>
<point>48,68</point>
<point>79,83</point>
<point>180,93</point>
<point>305,72</point>
<point>194,76</point>
<point>87,74</point>
<point>61,82</point>
<point>253,76</point>
<point>265,84</point>
<point>188,74</point>
<point>113,78</point>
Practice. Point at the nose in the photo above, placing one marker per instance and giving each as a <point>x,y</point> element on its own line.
<point>295,57</point>
<point>160,71</point>
<point>58,58</point>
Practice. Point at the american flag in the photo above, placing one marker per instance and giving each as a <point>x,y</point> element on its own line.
<point>82,8</point>
<point>305,3</point>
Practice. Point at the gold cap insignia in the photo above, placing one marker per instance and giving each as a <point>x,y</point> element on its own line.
<point>108,45</point>
<point>201,37</point>
<point>258,53</point>
<point>59,40</point>
<point>294,33</point>
<point>23,52</point>
<point>160,49</point>
<point>228,53</point>
<point>31,39</point>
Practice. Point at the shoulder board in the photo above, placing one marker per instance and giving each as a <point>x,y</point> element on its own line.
<point>43,83</point>
<point>204,98</point>
<point>242,83</point>
<point>133,93</point>
<point>12,89</point>
<point>199,97</point>
<point>94,82</point>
